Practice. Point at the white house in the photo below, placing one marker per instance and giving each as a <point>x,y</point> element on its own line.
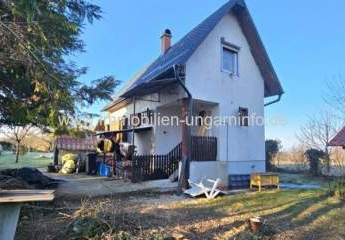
<point>219,70</point>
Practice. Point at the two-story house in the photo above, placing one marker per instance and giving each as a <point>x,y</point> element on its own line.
<point>219,71</point>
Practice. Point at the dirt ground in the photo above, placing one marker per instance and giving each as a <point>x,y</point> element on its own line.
<point>288,214</point>
<point>84,186</point>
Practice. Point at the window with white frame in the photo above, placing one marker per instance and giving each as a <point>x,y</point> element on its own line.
<point>229,60</point>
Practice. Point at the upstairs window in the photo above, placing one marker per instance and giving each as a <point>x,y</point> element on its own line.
<point>243,117</point>
<point>229,61</point>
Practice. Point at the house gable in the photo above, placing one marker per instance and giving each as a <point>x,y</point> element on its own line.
<point>204,75</point>
<point>206,81</point>
<point>180,52</point>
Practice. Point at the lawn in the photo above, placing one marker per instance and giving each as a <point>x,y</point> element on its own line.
<point>31,159</point>
<point>289,214</point>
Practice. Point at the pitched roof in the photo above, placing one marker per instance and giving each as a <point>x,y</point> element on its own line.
<point>339,139</point>
<point>180,52</point>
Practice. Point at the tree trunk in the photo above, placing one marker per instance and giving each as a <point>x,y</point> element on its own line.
<point>17,152</point>
<point>327,161</point>
<point>186,145</point>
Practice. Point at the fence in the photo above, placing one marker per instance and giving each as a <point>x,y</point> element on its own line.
<point>151,167</point>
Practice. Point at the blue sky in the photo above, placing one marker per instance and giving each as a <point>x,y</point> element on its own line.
<point>304,39</point>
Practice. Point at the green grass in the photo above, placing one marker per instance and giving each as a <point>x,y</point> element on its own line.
<point>31,159</point>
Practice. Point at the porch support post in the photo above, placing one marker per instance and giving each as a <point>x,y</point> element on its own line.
<point>186,113</point>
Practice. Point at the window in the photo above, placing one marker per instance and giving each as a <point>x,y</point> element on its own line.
<point>230,60</point>
<point>243,117</point>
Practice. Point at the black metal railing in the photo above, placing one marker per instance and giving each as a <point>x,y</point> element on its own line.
<point>152,167</point>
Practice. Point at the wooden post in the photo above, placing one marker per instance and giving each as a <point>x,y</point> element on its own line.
<point>186,110</point>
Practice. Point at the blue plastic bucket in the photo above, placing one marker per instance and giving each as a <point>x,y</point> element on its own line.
<point>104,170</point>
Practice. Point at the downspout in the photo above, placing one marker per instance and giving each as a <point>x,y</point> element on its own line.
<point>274,101</point>
<point>186,135</point>
<point>181,83</point>
<point>131,121</point>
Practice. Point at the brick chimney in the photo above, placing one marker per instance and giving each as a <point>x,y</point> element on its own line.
<point>166,41</point>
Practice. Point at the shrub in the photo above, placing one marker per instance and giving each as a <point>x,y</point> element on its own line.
<point>337,188</point>
<point>6,146</point>
<point>272,147</point>
<point>314,157</point>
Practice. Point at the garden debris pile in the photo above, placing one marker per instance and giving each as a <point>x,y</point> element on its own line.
<point>25,178</point>
<point>87,227</point>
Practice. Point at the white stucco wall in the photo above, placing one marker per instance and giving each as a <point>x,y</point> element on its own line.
<point>243,147</point>
<point>209,170</point>
<point>144,142</point>
<point>167,137</point>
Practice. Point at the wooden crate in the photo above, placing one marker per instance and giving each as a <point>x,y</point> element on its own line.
<point>260,180</point>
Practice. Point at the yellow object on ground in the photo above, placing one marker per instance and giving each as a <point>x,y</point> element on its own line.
<point>68,163</point>
<point>67,157</point>
<point>264,180</point>
<point>68,167</point>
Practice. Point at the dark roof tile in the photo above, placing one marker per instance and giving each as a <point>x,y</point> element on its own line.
<point>180,52</point>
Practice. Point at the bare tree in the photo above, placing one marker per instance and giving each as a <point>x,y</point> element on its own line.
<point>16,135</point>
<point>39,140</point>
<point>335,95</point>
<point>318,132</point>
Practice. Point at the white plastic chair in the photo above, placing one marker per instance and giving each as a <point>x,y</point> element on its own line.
<point>198,189</point>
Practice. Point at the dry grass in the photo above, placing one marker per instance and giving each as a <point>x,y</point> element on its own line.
<point>289,215</point>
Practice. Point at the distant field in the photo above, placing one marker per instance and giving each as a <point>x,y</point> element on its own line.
<point>335,170</point>
<point>31,159</point>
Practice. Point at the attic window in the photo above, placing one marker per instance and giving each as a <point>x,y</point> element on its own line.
<point>229,60</point>
<point>229,57</point>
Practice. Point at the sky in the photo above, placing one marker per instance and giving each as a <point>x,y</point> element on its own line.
<point>304,39</point>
